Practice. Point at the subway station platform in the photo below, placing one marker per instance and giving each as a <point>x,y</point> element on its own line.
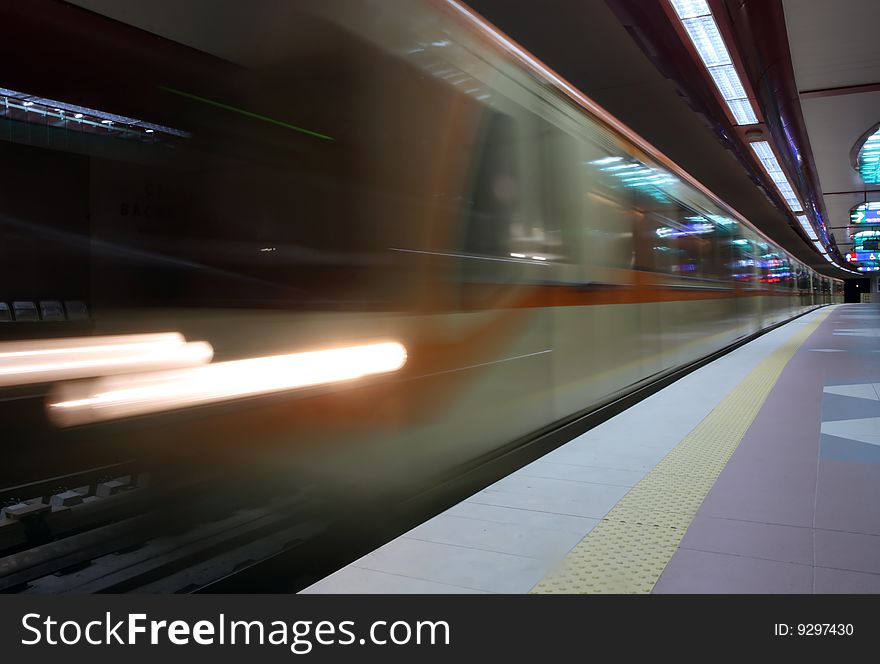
<point>757,473</point>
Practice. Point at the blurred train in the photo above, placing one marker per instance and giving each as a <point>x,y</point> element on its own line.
<point>271,178</point>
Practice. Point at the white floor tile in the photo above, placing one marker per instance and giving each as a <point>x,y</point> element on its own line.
<point>557,496</point>
<point>623,459</point>
<point>551,486</point>
<point>865,430</point>
<point>519,539</point>
<point>567,522</point>
<point>366,581</point>
<point>456,565</point>
<point>575,473</point>
<point>860,391</point>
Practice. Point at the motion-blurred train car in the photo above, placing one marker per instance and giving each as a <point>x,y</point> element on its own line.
<point>268,178</point>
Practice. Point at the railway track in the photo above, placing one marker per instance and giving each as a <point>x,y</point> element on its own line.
<point>108,529</point>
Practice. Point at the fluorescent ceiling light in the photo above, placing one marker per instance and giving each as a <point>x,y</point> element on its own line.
<point>742,111</point>
<point>765,155</point>
<point>728,82</point>
<point>691,8</point>
<point>698,22</point>
<point>707,40</point>
<point>807,226</point>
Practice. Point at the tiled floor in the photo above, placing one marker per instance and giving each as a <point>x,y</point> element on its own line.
<point>692,571</point>
<point>784,544</point>
<point>476,568</point>
<point>797,509</point>
<point>506,537</point>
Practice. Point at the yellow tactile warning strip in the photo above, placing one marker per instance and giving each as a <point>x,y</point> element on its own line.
<point>628,550</point>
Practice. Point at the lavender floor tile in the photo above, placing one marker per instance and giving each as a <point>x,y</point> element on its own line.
<point>848,497</point>
<point>745,538</point>
<point>704,572</point>
<point>846,582</point>
<point>777,459</point>
<point>764,495</point>
<point>851,551</point>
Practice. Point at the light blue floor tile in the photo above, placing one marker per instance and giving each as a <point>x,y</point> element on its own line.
<point>456,565</point>
<point>576,473</point>
<point>500,514</point>
<point>523,540</point>
<point>357,580</point>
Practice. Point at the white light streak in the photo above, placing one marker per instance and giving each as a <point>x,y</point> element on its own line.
<point>28,362</point>
<point>124,396</point>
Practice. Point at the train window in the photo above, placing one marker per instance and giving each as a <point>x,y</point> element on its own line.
<point>728,233</point>
<point>676,240</point>
<point>561,185</point>
<point>76,310</point>
<point>716,262</point>
<point>51,310</point>
<point>786,273</point>
<point>491,223</point>
<point>774,269</point>
<point>25,311</point>
<point>525,203</point>
<point>743,264</point>
<point>803,278</point>
<point>523,200</point>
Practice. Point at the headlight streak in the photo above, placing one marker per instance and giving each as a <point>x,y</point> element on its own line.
<point>114,397</point>
<point>29,362</point>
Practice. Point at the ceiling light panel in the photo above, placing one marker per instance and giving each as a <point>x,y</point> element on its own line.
<point>765,155</point>
<point>700,25</point>
<point>691,8</point>
<point>742,111</point>
<point>707,40</point>
<point>728,82</point>
<point>808,228</point>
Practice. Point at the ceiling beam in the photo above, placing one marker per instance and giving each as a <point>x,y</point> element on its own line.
<point>843,90</point>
